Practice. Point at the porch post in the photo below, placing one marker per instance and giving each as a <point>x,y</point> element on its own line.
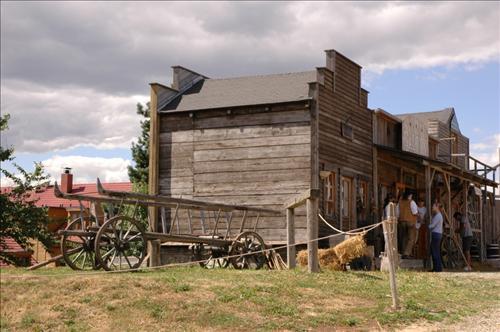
<point>312,234</point>
<point>290,238</point>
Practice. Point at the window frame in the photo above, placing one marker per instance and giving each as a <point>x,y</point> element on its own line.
<point>331,194</point>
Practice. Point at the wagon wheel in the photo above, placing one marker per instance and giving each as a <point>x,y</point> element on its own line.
<point>120,244</point>
<point>246,243</point>
<point>211,259</point>
<point>78,251</point>
<point>450,254</point>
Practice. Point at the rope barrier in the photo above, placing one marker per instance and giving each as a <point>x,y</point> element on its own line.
<point>369,228</point>
<point>357,231</point>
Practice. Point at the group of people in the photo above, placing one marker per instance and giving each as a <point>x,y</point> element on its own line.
<point>412,216</point>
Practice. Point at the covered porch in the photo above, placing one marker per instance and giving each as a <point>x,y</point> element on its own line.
<point>457,189</point>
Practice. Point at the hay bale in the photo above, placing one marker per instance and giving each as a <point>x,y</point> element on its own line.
<point>350,249</point>
<point>327,259</point>
<point>336,258</point>
<point>302,258</point>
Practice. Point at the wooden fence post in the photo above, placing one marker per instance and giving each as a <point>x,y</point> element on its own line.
<point>155,249</point>
<point>389,225</point>
<point>290,237</point>
<point>312,234</point>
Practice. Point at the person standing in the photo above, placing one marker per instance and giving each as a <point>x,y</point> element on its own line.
<point>466,234</point>
<point>422,212</point>
<point>408,212</point>
<point>436,228</point>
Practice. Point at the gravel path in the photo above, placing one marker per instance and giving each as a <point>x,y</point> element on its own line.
<point>484,322</point>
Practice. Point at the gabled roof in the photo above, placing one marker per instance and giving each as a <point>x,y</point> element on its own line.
<point>243,91</point>
<point>382,112</point>
<point>443,115</point>
<point>45,196</point>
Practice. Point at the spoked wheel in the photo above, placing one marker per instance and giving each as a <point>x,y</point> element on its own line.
<point>78,250</point>
<point>213,258</point>
<point>450,254</point>
<point>120,244</point>
<point>245,244</point>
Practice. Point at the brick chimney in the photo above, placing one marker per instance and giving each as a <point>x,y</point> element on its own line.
<point>67,181</point>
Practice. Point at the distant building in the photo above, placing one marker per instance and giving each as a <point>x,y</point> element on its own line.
<point>61,211</point>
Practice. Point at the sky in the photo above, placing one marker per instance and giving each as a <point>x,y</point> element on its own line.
<point>72,72</point>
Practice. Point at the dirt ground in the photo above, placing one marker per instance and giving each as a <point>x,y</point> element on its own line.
<point>486,321</point>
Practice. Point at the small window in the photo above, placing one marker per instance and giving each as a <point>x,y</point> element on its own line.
<point>347,131</point>
<point>330,193</point>
<point>346,195</point>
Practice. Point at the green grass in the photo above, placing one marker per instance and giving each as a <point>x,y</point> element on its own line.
<point>199,299</point>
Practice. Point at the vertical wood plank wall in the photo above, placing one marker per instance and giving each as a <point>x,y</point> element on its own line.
<point>341,100</point>
<point>252,156</point>
<point>440,130</point>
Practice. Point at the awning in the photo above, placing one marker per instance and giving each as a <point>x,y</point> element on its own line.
<point>447,167</point>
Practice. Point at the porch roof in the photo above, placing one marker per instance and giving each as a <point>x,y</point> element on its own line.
<point>450,168</point>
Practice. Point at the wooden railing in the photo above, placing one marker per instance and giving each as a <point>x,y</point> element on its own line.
<point>481,169</point>
<point>311,199</point>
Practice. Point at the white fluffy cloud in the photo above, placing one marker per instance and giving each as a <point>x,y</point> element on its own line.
<point>44,119</point>
<point>87,169</point>
<point>68,69</point>
<point>84,169</point>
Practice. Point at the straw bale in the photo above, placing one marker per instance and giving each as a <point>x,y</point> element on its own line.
<point>336,258</point>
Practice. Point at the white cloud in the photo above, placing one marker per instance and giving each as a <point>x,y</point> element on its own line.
<point>87,169</point>
<point>488,152</point>
<point>67,79</point>
<point>44,119</point>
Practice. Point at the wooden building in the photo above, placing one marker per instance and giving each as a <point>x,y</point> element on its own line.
<point>261,140</point>
<point>426,153</point>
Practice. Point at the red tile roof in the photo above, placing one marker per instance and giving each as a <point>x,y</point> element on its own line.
<point>45,196</point>
<point>9,245</point>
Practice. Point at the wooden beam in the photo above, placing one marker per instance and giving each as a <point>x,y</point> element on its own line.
<point>375,183</point>
<point>290,238</point>
<point>301,199</point>
<point>153,185</point>
<point>312,234</point>
<point>428,191</point>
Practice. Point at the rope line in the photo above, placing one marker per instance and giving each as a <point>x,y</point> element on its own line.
<point>368,228</point>
<point>356,231</point>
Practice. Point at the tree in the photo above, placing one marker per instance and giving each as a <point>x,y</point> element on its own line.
<point>139,172</point>
<point>21,219</point>
<point>5,154</point>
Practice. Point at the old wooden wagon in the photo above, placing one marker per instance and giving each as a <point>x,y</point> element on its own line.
<point>120,240</point>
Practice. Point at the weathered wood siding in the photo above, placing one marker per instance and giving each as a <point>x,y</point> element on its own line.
<point>441,131</point>
<point>341,100</point>
<point>415,136</point>
<point>463,147</point>
<point>253,156</point>
<point>387,132</point>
